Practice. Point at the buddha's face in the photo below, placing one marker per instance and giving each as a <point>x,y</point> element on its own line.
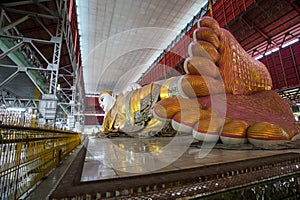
<point>106,101</point>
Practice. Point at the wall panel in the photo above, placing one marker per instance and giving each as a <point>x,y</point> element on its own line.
<point>284,66</point>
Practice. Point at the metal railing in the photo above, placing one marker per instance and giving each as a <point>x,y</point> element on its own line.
<point>28,154</point>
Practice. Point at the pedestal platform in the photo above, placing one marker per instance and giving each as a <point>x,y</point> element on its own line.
<point>133,168</point>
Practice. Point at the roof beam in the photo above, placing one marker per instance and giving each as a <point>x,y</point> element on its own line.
<point>294,6</point>
<point>13,75</point>
<point>17,22</point>
<point>49,27</point>
<point>25,67</point>
<point>34,81</point>
<point>250,23</point>
<point>32,14</point>
<point>45,8</point>
<point>19,103</point>
<point>13,48</point>
<point>18,59</point>
<point>53,40</point>
<point>21,3</point>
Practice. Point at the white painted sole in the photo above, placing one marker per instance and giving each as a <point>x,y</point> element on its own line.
<point>229,140</point>
<point>181,127</point>
<point>205,136</point>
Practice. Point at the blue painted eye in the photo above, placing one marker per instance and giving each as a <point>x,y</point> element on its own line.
<point>101,99</point>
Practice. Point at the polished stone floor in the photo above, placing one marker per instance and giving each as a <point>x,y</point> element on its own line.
<point>120,157</point>
<point>46,186</point>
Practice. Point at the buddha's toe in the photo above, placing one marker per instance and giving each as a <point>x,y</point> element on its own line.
<point>166,109</point>
<point>185,120</point>
<point>203,74</point>
<point>264,133</point>
<point>203,51</point>
<point>201,66</point>
<point>207,130</point>
<point>234,132</point>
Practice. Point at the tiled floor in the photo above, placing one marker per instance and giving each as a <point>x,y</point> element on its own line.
<point>119,157</point>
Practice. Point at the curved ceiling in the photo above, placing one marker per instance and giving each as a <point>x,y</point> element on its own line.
<point>120,39</point>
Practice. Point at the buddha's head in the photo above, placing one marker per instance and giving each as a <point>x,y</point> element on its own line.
<point>106,100</point>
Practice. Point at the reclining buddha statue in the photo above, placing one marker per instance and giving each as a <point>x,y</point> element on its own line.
<point>225,95</point>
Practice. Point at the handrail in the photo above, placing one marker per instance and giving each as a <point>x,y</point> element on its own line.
<point>27,154</point>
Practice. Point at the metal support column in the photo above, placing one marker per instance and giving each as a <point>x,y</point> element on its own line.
<point>28,54</point>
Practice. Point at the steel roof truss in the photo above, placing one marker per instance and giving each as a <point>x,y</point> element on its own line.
<point>65,95</point>
<point>25,68</point>
<point>37,50</point>
<point>31,49</point>
<point>29,40</point>
<point>19,103</point>
<point>14,24</point>
<point>13,75</point>
<point>51,12</point>
<point>62,76</point>
<point>31,14</point>
<point>64,68</point>
<point>57,48</point>
<point>21,3</point>
<point>35,83</point>
<point>13,48</point>
<point>69,44</point>
<point>44,27</point>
